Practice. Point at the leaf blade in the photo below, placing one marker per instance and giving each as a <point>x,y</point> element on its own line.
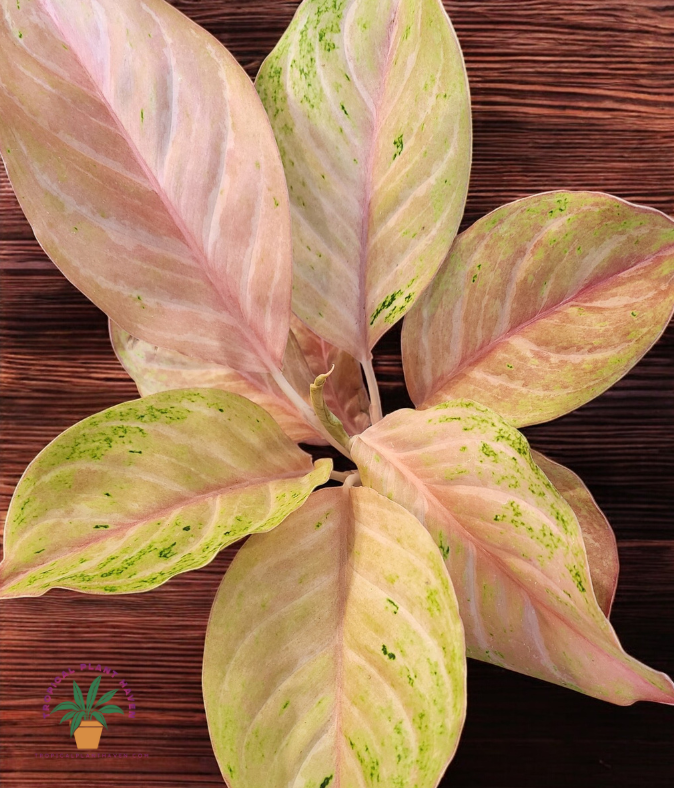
<point>107,697</point>
<point>377,156</point>
<point>175,204</point>
<point>159,486</point>
<point>512,545</point>
<point>93,691</point>
<point>111,709</point>
<point>65,705</point>
<point>367,692</point>
<point>156,369</point>
<point>98,716</point>
<point>600,542</point>
<point>76,720</point>
<point>79,698</point>
<point>567,290</point>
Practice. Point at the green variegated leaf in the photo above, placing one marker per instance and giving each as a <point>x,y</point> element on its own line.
<point>512,545</point>
<point>334,653</point>
<point>129,497</point>
<point>598,537</point>
<point>542,305</point>
<point>369,103</point>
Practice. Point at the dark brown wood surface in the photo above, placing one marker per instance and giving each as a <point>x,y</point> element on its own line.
<point>577,94</point>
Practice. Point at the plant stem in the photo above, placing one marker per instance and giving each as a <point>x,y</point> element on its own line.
<point>373,389</point>
<point>340,476</point>
<point>305,409</point>
<point>352,480</point>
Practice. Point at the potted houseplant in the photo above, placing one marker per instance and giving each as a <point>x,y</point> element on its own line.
<point>87,717</point>
<point>163,196</point>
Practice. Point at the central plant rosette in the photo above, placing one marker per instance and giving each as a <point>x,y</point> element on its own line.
<point>250,248</point>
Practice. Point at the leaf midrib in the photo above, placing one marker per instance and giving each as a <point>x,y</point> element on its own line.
<point>344,535</point>
<point>368,191</point>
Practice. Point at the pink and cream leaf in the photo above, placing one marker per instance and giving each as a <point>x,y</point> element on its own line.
<point>370,106</point>
<point>542,305</point>
<point>145,163</point>
<point>512,545</point>
<point>334,652</point>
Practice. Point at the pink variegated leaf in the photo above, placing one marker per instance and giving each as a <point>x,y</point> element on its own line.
<point>334,653</point>
<point>512,545</point>
<point>598,537</point>
<point>156,369</point>
<point>542,305</point>
<point>144,160</point>
<point>370,107</point>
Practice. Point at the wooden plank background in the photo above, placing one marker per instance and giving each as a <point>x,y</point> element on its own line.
<point>577,94</point>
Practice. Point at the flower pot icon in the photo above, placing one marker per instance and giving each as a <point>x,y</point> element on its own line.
<point>87,718</point>
<point>88,735</point>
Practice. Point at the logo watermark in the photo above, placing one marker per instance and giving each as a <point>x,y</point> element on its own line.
<point>88,697</point>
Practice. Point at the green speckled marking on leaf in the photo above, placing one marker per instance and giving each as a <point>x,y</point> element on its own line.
<point>598,537</point>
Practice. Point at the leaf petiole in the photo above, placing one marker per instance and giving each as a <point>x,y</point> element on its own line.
<point>373,390</point>
<point>340,476</point>
<point>352,480</point>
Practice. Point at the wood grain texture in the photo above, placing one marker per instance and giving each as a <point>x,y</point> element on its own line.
<point>573,95</point>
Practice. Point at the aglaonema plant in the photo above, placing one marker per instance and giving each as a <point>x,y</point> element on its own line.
<point>250,251</point>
